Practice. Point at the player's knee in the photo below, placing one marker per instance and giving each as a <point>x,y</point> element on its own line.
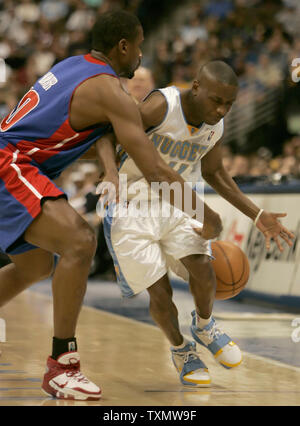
<point>198,265</point>
<point>83,246</point>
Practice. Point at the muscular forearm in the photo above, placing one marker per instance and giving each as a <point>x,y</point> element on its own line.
<point>225,186</point>
<point>105,150</point>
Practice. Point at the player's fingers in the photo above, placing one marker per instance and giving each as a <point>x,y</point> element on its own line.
<point>104,196</point>
<point>104,192</point>
<point>108,193</point>
<point>203,233</point>
<point>100,188</point>
<point>279,214</point>
<point>103,200</point>
<point>198,230</point>
<point>276,239</point>
<point>106,186</point>
<point>286,239</point>
<point>268,242</point>
<point>287,232</point>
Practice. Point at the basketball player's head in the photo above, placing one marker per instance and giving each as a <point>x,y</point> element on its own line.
<point>118,35</point>
<point>214,90</point>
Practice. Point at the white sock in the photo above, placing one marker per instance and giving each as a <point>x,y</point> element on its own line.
<point>185,341</point>
<point>202,322</point>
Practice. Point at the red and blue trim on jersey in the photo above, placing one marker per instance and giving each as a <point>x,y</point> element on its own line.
<point>37,143</point>
<point>22,188</point>
<point>39,125</point>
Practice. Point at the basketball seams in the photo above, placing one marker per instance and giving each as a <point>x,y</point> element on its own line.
<point>230,268</point>
<point>233,288</point>
<point>229,265</point>
<point>226,292</point>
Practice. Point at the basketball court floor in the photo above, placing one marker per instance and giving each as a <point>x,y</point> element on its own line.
<point>123,352</point>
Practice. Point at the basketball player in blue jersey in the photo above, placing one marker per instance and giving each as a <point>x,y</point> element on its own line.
<point>186,128</point>
<point>56,122</point>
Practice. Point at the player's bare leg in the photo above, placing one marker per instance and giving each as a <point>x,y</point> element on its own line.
<point>60,229</point>
<point>192,371</point>
<point>202,283</point>
<point>163,310</point>
<point>204,328</point>
<point>26,269</point>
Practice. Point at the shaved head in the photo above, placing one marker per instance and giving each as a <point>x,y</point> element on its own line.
<point>212,94</point>
<point>218,71</point>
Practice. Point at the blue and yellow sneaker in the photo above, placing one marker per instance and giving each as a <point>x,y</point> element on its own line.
<point>225,351</point>
<point>193,372</point>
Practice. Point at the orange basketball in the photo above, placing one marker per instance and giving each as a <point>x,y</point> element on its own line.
<point>231,267</point>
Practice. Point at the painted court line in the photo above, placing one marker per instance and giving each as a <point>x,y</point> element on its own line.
<point>29,379</point>
<point>27,387</point>
<point>21,398</point>
<point>130,320</point>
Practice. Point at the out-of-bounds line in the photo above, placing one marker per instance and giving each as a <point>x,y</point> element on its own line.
<point>126,319</point>
<point>29,379</point>
<point>17,388</point>
<point>21,398</point>
<point>272,361</point>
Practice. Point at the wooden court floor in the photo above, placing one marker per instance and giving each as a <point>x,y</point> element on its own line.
<point>131,362</point>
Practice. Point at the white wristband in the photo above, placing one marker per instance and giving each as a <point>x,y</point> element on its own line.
<point>258,216</point>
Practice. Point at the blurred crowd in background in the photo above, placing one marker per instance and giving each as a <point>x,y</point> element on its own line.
<point>258,38</point>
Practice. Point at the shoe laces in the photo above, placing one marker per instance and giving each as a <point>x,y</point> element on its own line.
<point>77,375</point>
<point>212,333</point>
<point>188,355</point>
<point>72,371</point>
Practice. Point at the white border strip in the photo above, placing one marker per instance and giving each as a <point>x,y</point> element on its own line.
<point>24,180</point>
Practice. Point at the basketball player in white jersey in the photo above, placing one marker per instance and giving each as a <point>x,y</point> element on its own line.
<point>186,127</point>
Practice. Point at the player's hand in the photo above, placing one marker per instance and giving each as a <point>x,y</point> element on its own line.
<point>270,226</point>
<point>108,189</point>
<point>212,227</point>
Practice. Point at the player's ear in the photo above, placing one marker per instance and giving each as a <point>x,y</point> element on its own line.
<point>195,87</point>
<point>123,46</point>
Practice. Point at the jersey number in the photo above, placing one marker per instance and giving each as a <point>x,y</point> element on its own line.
<point>180,169</point>
<point>29,101</point>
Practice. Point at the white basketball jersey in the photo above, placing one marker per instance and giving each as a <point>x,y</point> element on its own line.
<point>180,145</point>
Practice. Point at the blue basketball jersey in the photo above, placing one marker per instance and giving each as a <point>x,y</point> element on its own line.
<point>39,125</point>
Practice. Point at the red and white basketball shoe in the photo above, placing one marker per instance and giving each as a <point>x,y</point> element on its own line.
<point>64,380</point>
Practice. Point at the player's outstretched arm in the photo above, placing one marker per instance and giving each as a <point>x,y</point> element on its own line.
<point>219,179</point>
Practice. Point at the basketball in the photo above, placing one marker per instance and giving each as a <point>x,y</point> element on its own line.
<point>231,267</point>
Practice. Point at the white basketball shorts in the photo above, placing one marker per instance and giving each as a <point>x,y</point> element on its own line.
<point>145,248</point>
